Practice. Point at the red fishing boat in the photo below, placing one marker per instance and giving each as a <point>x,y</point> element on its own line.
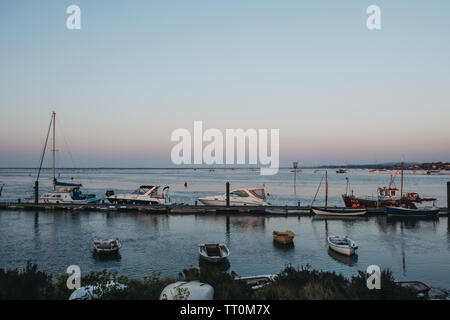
<point>386,197</point>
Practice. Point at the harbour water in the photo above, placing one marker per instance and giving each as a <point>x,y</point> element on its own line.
<point>412,249</point>
<point>201,182</point>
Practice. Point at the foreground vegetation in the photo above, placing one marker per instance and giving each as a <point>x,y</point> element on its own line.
<point>292,283</point>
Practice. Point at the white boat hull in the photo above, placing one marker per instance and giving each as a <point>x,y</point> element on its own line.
<point>132,199</point>
<point>212,201</point>
<point>348,250</point>
<point>222,253</point>
<point>346,212</point>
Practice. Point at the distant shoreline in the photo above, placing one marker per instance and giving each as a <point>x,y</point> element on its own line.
<point>385,166</point>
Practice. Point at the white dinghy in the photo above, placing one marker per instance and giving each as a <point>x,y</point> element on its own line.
<point>184,290</point>
<point>214,253</point>
<point>342,245</point>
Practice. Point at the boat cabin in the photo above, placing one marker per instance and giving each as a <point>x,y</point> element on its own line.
<point>387,193</point>
<point>251,192</point>
<point>146,190</point>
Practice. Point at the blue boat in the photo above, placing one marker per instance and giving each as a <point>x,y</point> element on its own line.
<point>409,212</point>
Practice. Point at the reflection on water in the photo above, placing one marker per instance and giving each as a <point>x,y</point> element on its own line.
<point>347,260</point>
<point>221,266</point>
<point>106,257</point>
<point>417,249</point>
<point>283,247</point>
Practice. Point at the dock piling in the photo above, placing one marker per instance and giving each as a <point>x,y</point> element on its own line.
<point>36,192</point>
<point>228,194</point>
<point>448,196</point>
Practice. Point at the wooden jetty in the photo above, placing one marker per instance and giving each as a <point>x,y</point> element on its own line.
<point>180,209</point>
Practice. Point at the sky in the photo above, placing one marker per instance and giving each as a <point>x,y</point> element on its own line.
<point>138,70</point>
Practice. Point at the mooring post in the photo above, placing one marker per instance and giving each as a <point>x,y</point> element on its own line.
<point>228,194</point>
<point>448,196</point>
<point>36,191</point>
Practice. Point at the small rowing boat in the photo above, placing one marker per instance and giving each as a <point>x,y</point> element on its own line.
<point>111,246</point>
<point>338,212</point>
<point>342,245</point>
<point>285,237</point>
<point>214,253</point>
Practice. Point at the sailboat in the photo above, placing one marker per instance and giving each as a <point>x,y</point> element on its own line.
<point>325,211</point>
<point>62,192</point>
<point>408,208</point>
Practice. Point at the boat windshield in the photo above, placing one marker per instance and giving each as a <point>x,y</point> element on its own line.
<point>239,193</point>
<point>259,193</point>
<point>144,190</point>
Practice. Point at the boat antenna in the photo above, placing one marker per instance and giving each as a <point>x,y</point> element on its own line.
<point>36,183</point>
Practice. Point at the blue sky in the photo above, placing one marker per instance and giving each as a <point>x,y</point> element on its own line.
<point>137,70</point>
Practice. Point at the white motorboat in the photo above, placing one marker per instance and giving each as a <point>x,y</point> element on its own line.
<point>187,290</point>
<point>342,245</point>
<point>111,246</point>
<point>238,197</point>
<point>213,252</point>
<point>145,194</point>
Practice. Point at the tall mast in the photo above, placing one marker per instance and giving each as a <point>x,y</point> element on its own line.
<point>53,150</point>
<point>401,188</point>
<point>326,188</point>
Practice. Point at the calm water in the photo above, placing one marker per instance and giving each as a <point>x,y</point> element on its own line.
<point>412,249</point>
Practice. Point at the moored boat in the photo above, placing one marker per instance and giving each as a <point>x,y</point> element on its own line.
<point>326,211</point>
<point>285,237</point>
<point>111,246</point>
<point>145,194</point>
<point>238,197</point>
<point>387,196</point>
<point>342,245</point>
<point>338,211</point>
<point>412,212</point>
<point>62,192</point>
<point>214,253</point>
